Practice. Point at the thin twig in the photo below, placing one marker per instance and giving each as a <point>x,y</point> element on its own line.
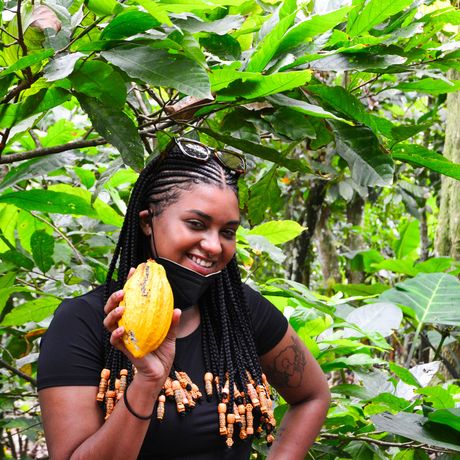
<point>18,372</point>
<point>56,229</point>
<point>13,157</point>
<point>82,34</point>
<point>21,41</point>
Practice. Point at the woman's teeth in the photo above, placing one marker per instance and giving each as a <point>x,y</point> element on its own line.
<point>201,262</point>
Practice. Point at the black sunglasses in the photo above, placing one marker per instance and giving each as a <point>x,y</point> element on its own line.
<point>194,149</point>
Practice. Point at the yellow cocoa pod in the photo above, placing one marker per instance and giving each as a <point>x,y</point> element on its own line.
<point>149,305</point>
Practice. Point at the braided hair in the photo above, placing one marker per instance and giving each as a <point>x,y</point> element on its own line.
<point>227,332</point>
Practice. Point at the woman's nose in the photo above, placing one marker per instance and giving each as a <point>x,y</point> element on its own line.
<point>211,244</point>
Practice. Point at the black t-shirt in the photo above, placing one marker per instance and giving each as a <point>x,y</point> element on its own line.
<point>72,354</point>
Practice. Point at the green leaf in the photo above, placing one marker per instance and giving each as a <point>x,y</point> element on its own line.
<point>355,360</point>
<point>17,258</point>
<point>421,156</point>
<point>373,13</point>
<point>27,61</point>
<point>102,7</point>
<point>409,239</point>
<point>360,289</point>
<point>264,85</point>
<point>42,246</point>
<point>115,126</point>
<point>5,292</point>
<point>278,232</point>
<point>222,26</point>
<point>355,391</point>
<point>411,426</point>
<point>303,107</point>
<point>311,28</point>
<point>36,167</point>
<point>432,296</point>
<point>100,80</point>
<point>266,48</point>
<point>261,151</point>
<point>433,265</point>
<point>449,417</point>
<point>360,148</point>
<point>264,194</point>
<point>159,68</point>
<point>405,266</point>
<point>430,86</point>
<point>45,99</point>
<point>48,201</point>
<point>34,310</point>
<point>291,124</point>
<point>127,24</point>
<point>61,66</point>
<point>404,374</point>
<point>438,397</point>
<point>224,46</point>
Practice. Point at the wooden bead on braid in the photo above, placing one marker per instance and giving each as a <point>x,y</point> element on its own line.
<point>110,403</point>
<point>105,375</point>
<point>178,397</point>
<point>249,420</point>
<point>208,378</point>
<point>123,383</point>
<point>230,423</point>
<point>222,410</point>
<point>161,407</point>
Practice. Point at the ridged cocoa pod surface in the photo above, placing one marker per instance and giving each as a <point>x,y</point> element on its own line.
<point>149,305</point>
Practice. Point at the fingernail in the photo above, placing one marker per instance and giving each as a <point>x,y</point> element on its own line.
<point>119,310</point>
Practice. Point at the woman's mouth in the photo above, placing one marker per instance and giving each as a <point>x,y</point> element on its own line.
<point>201,262</point>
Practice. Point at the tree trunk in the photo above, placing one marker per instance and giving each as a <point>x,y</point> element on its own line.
<point>301,270</point>
<point>355,241</point>
<point>448,231</point>
<point>327,251</point>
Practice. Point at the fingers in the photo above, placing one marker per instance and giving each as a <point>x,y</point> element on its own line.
<point>172,333</point>
<point>131,271</point>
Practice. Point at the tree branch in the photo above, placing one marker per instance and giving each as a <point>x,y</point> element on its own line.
<point>13,157</point>
<point>18,372</point>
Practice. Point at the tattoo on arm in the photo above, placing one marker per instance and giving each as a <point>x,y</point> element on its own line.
<point>288,366</point>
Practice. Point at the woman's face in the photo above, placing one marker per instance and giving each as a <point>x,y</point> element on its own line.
<point>198,230</point>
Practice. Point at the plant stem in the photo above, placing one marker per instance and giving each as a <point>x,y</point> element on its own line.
<point>18,372</point>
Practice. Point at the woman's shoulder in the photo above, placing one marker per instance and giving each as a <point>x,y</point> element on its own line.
<point>268,322</point>
<point>90,303</point>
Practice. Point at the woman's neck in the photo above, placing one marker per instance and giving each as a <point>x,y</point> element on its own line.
<point>189,321</point>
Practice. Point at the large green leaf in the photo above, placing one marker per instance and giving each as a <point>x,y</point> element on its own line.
<point>373,13</point>
<point>61,66</point>
<point>49,201</point>
<point>430,86</point>
<point>45,99</point>
<point>434,297</point>
<point>360,148</point>
<point>27,61</point>
<point>421,156</point>
<point>127,24</point>
<point>409,239</point>
<point>449,417</point>
<point>100,80</point>
<point>278,231</point>
<point>34,310</point>
<point>411,426</point>
<point>117,128</point>
<point>159,68</point>
<point>311,27</point>
<point>42,246</point>
<point>255,86</point>
<point>303,107</point>
<point>266,48</point>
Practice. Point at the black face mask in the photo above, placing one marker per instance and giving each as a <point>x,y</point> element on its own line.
<point>187,286</point>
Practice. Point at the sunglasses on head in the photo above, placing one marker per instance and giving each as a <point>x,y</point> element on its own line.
<point>194,149</point>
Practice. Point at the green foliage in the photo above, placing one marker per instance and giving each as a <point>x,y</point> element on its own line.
<point>334,104</point>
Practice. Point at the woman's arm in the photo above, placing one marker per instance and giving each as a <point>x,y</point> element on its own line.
<point>73,422</point>
<point>298,378</point>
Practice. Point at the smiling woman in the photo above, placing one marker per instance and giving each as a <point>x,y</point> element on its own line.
<point>225,339</point>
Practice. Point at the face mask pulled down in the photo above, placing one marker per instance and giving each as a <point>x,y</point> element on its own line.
<point>187,286</point>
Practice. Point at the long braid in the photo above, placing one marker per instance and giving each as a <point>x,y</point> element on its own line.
<point>227,332</point>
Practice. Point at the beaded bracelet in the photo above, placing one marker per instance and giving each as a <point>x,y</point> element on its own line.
<point>130,409</point>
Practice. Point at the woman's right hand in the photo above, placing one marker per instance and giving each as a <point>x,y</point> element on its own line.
<point>155,366</point>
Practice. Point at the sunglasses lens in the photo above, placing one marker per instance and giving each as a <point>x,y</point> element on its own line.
<point>232,161</point>
<point>198,151</point>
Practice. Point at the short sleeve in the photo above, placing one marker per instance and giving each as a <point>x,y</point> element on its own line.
<point>270,325</point>
<point>71,351</point>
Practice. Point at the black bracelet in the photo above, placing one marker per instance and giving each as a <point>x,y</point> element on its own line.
<point>130,409</point>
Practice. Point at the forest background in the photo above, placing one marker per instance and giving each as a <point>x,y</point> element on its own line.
<point>348,114</point>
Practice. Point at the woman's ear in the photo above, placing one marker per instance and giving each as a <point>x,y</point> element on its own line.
<point>145,218</point>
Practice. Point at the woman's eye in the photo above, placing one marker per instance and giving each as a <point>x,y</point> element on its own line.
<point>195,224</point>
<point>229,233</point>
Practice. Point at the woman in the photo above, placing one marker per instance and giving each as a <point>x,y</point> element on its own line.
<point>183,211</point>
